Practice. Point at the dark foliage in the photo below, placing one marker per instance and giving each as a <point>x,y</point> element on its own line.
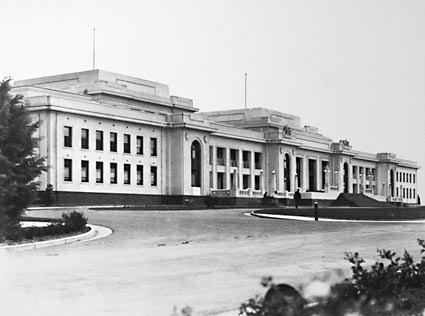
<point>19,164</point>
<point>75,221</point>
<point>393,286</point>
<point>71,223</point>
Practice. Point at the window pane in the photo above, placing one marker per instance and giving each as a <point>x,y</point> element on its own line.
<point>126,143</point>
<point>139,149</point>
<point>99,140</point>
<point>67,136</point>
<point>113,172</point>
<point>67,170</point>
<point>153,147</point>
<point>127,175</point>
<point>113,142</point>
<point>153,176</point>
<point>99,172</point>
<point>139,174</point>
<point>84,171</point>
<point>84,138</point>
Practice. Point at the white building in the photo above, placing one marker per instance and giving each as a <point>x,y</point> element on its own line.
<point>109,138</point>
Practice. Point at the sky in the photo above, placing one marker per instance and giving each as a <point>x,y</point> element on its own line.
<point>354,69</point>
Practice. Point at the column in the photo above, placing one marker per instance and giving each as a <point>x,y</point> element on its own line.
<point>350,178</point>
<point>358,180</point>
<point>281,173</point>
<point>262,184</point>
<point>214,166</point>
<point>227,168</point>
<point>252,170</point>
<point>240,168</point>
<point>292,172</point>
<point>327,179</point>
<point>341,177</point>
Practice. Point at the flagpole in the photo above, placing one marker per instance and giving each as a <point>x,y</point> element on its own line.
<point>94,48</point>
<point>246,75</point>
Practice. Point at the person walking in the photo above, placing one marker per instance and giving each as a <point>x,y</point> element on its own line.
<point>297,198</point>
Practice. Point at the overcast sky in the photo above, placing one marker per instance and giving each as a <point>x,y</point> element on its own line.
<point>354,69</point>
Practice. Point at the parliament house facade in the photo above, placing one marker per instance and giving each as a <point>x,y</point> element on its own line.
<point>114,139</point>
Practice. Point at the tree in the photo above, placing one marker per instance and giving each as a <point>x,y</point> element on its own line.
<point>19,163</point>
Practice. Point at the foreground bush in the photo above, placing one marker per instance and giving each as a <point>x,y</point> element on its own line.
<point>71,223</point>
<point>393,286</point>
<point>74,221</point>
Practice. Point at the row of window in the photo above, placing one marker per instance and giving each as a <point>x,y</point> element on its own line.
<point>113,172</point>
<point>369,172</point>
<point>234,157</point>
<point>405,177</point>
<point>113,141</point>
<point>407,193</point>
<point>246,181</point>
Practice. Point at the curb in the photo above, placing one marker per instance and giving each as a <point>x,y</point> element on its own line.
<point>322,219</point>
<point>54,242</point>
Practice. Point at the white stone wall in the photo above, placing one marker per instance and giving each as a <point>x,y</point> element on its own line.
<point>58,152</point>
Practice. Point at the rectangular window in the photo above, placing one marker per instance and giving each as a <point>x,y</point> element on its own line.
<point>113,172</point>
<point>257,183</point>
<point>257,160</point>
<point>67,165</point>
<point>211,155</point>
<point>139,145</point>
<point>127,148</point>
<point>246,181</point>
<point>113,142</point>
<point>67,136</point>
<point>139,175</point>
<point>220,180</point>
<point>211,180</point>
<point>84,138</point>
<point>233,157</point>
<point>154,148</point>
<point>246,157</point>
<point>220,156</point>
<point>84,171</point>
<point>127,174</point>
<point>99,140</point>
<point>154,176</point>
<point>99,172</point>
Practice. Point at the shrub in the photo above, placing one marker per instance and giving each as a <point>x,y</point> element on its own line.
<point>74,221</point>
<point>393,286</point>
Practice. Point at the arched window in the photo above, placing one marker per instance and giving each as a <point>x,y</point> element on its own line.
<point>392,182</point>
<point>195,154</point>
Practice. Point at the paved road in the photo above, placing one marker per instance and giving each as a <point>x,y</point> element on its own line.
<point>211,260</point>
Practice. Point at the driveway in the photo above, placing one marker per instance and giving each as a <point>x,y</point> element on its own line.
<point>211,260</point>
